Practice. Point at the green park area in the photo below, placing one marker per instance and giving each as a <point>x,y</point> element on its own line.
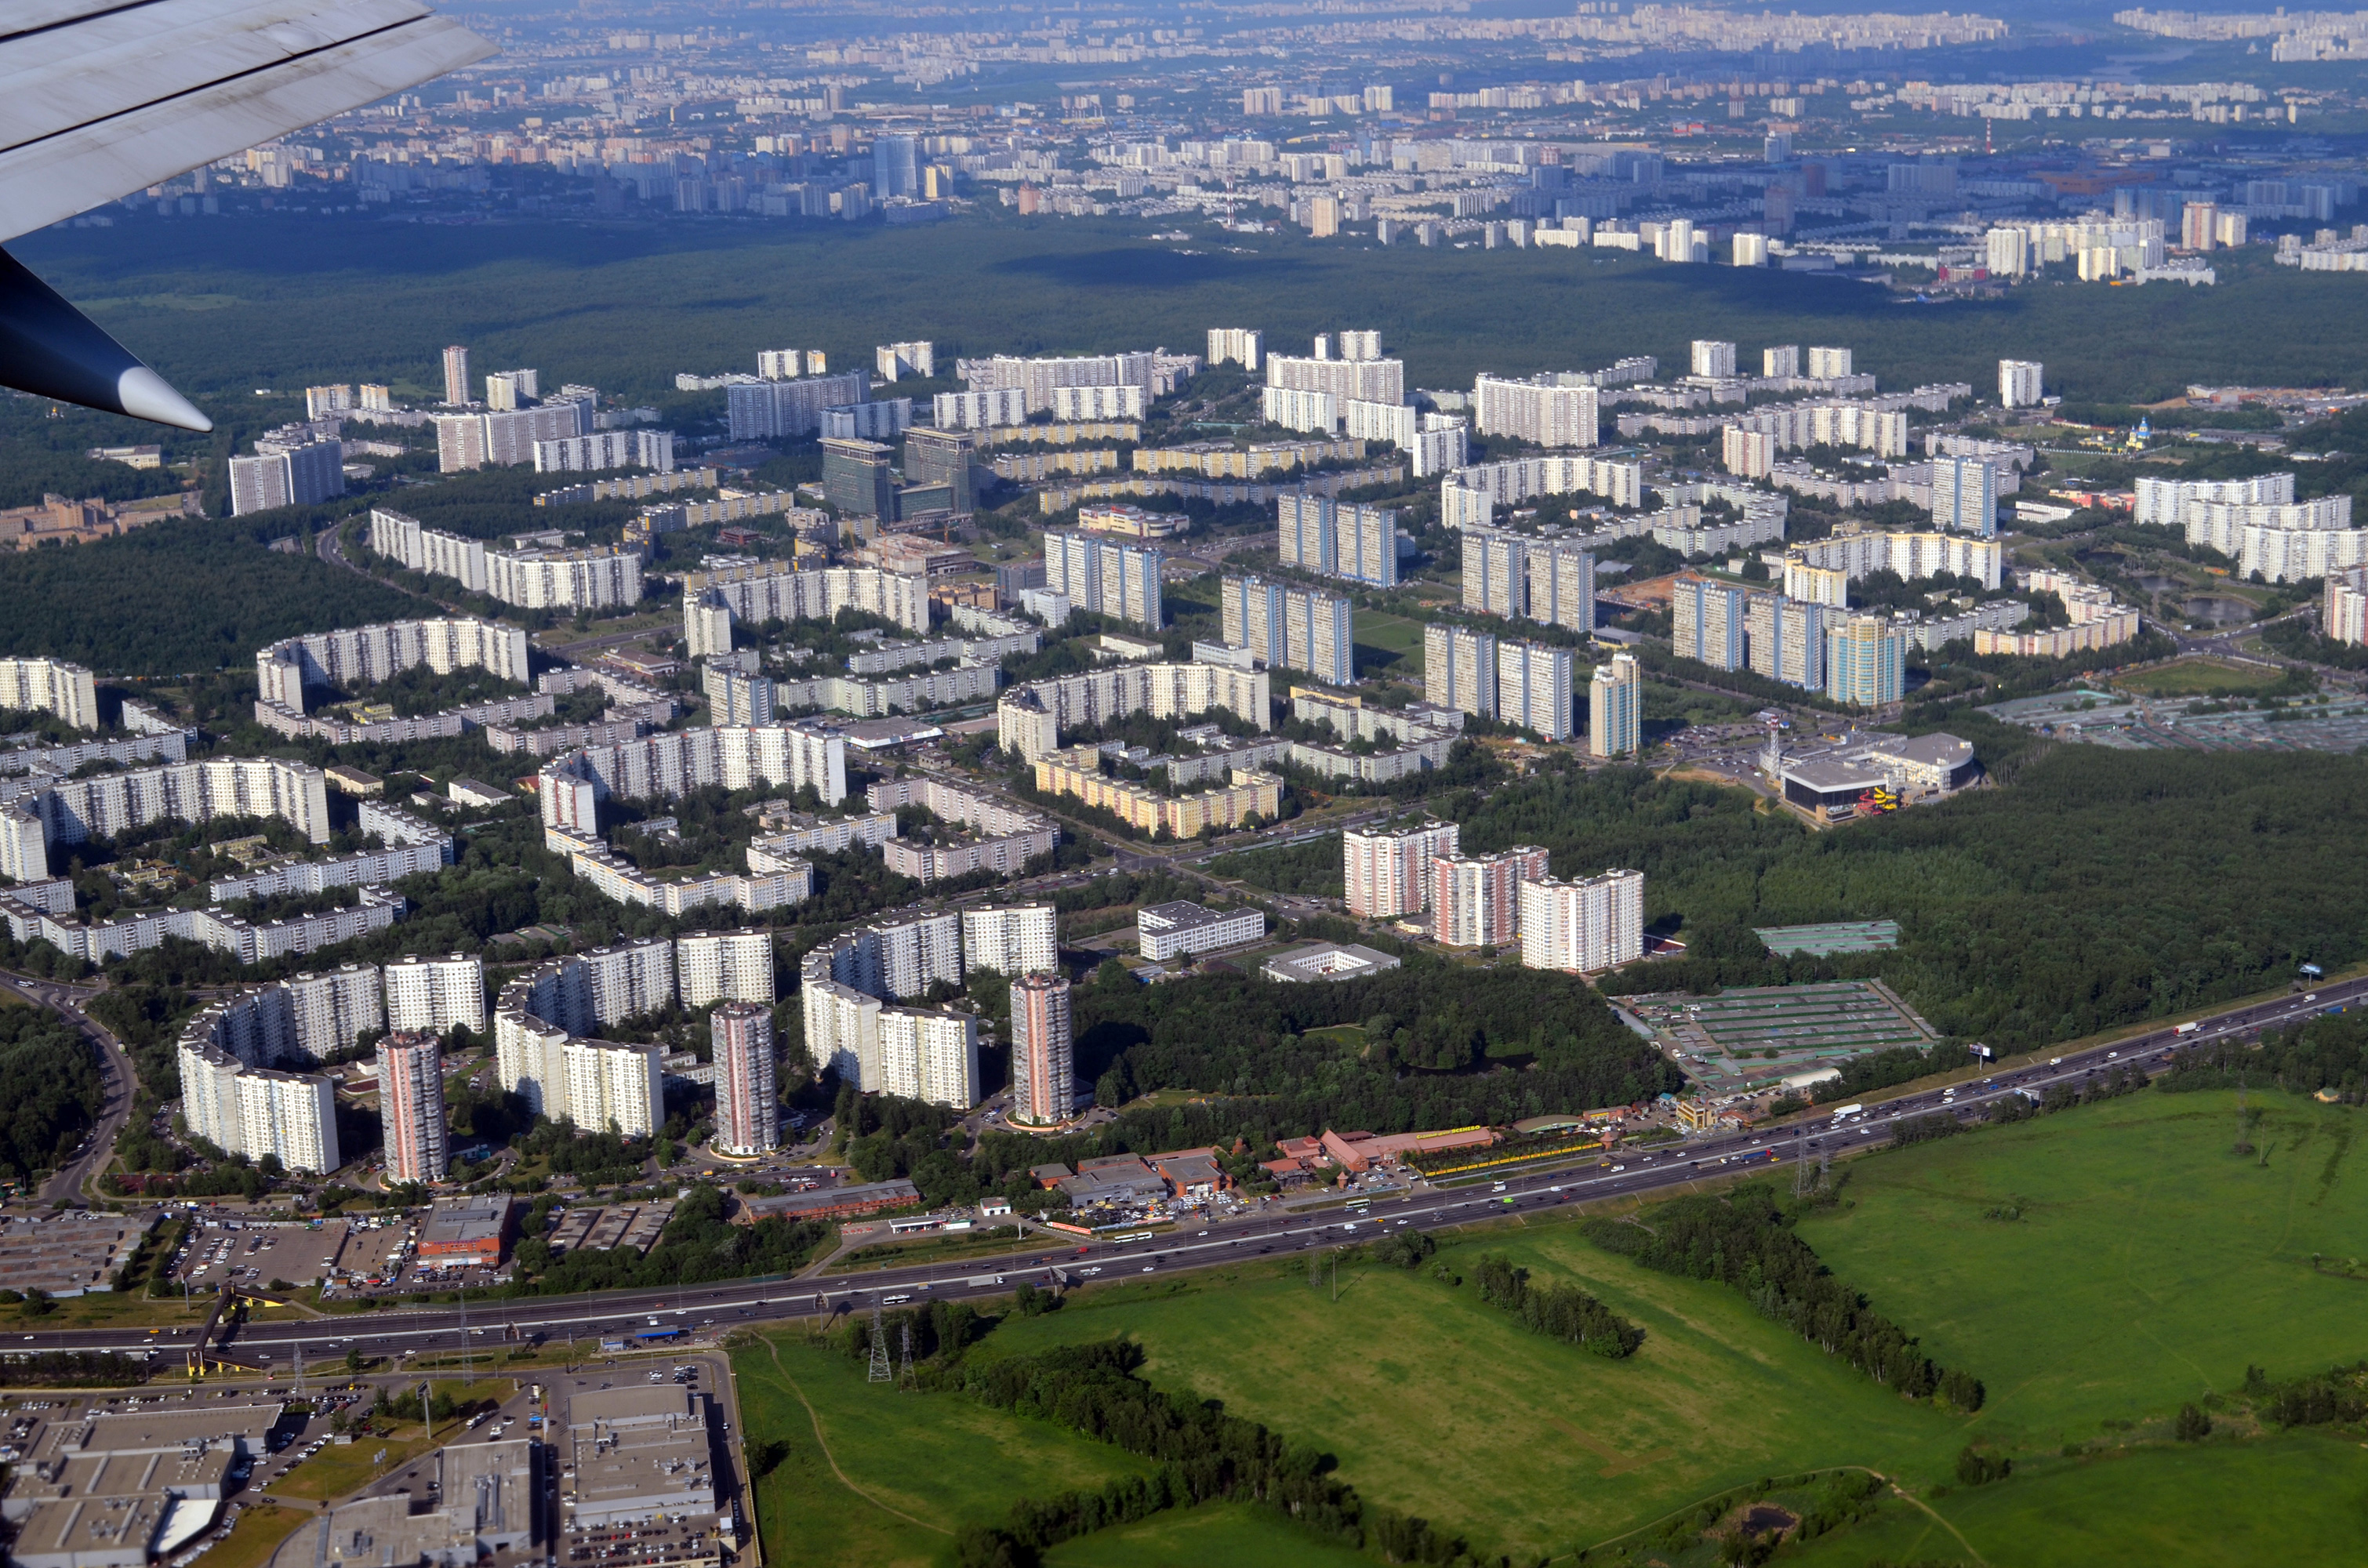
<point>2199,677</point>
<point>2097,1268</point>
<point>1388,643</point>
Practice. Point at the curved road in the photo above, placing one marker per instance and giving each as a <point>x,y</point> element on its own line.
<point>1652,1172</point>
<point>115,1080</point>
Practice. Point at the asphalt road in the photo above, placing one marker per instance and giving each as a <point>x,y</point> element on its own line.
<point>115,1081</point>
<point>1649,1172</point>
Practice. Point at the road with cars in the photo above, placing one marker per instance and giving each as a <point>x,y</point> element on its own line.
<point>659,1317</point>
<point>90,1156</point>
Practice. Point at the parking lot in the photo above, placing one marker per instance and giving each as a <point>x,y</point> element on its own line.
<point>254,1255</point>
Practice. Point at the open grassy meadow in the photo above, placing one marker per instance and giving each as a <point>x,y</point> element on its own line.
<point>1236,1536</point>
<point>1444,1407</point>
<point>2096,1268</point>
<point>873,1478</point>
<point>2144,1264</point>
<point>2292,1500</point>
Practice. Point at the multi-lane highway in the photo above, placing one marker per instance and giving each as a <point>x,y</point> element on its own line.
<point>1645,1172</point>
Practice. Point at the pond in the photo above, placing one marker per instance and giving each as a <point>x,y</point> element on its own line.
<point>2217,609</point>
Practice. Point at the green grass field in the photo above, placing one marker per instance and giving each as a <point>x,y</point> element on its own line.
<point>1443,1407</point>
<point>2293,1500</point>
<point>2146,1265</point>
<point>2197,677</point>
<point>1397,636</point>
<point>1235,1536</point>
<point>2149,1267</point>
<point>878,1479</point>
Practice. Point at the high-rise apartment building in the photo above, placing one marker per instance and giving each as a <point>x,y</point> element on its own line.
<point>1708,621</point>
<point>1713,360</point>
<point>1283,625</point>
<point>1538,579</point>
<point>917,952</point>
<point>1459,669</point>
<point>1375,380</point>
<point>1866,662</point>
<point>1388,870</point>
<point>1583,926</point>
<point>1965,496</point>
<point>436,993</point>
<point>1044,1049</point>
<point>1011,938</point>
<point>290,1116</point>
<point>896,167</point>
<point>1476,900</point>
<point>456,375</point>
<point>1534,687</point>
<point>1780,362</point>
<point>1112,577</point>
<point>1615,707</point>
<point>1787,639</point>
<point>748,1107</point>
<point>2343,610</point>
<point>1828,364</point>
<point>300,473</point>
<point>1338,538</point>
<point>928,1056</point>
<point>2020,382</point>
<point>1240,346</point>
<point>715,966</point>
<point>1538,409</point>
<point>411,1106</point>
<point>615,1086</point>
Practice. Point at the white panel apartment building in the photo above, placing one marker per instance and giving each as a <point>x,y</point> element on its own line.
<point>593,577</point>
<point>672,763</point>
<point>1586,926</point>
<point>1038,380</point>
<point>50,686</point>
<point>367,655</point>
<point>1538,579</point>
<point>1031,719</point>
<point>1107,576</point>
<point>1344,380</point>
<point>1338,538</point>
<point>1459,669</point>
<point>928,1056</point>
<point>615,1085</point>
<point>1011,938</point>
<point>760,591</point>
<point>1388,870</point>
<point>719,966</point>
<point>1534,687</point>
<point>1537,410</point>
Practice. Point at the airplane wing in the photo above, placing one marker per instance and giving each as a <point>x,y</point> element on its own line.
<point>99,98</point>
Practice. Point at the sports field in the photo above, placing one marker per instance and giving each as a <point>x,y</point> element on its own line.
<point>2199,677</point>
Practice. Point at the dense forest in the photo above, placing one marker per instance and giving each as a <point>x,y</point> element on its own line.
<point>2101,887</point>
<point>177,597</point>
<point>49,1087</point>
<point>281,300</point>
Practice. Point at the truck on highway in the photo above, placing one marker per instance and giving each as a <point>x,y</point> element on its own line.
<point>1842,1112</point>
<point>2187,1028</point>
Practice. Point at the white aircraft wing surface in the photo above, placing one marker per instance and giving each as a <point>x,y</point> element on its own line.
<point>99,98</point>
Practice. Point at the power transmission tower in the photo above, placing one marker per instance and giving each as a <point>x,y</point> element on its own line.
<point>880,1373</point>
<point>299,1368</point>
<point>904,1379</point>
<point>1335,1278</point>
<point>1315,1270</point>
